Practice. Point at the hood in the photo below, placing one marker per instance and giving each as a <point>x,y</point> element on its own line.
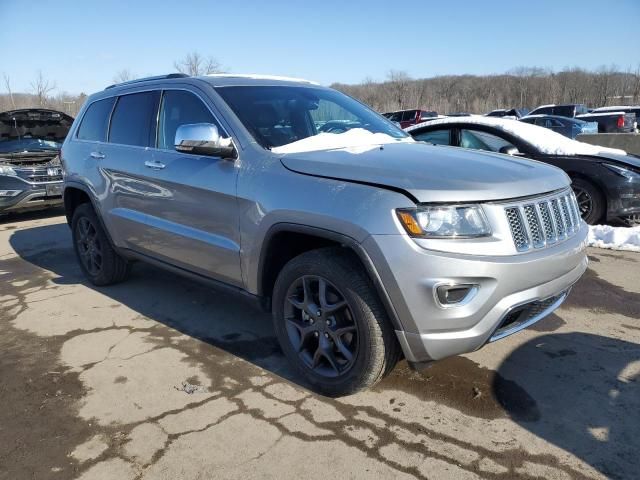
<point>433,173</point>
<point>622,160</point>
<point>33,129</point>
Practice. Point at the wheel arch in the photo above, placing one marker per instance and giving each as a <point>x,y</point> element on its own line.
<point>285,241</point>
<point>596,183</point>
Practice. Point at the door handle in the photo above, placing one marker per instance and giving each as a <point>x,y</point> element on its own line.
<point>154,164</point>
<point>97,155</point>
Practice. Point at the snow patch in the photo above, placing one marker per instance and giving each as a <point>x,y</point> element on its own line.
<point>614,238</point>
<point>356,140</point>
<point>543,139</point>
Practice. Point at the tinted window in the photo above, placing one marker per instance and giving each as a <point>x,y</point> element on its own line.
<point>96,120</point>
<point>180,108</point>
<point>133,121</point>
<point>409,115</point>
<point>543,111</point>
<point>437,137</point>
<point>482,141</point>
<point>396,117</point>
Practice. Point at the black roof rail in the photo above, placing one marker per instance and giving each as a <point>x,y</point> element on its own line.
<point>146,79</point>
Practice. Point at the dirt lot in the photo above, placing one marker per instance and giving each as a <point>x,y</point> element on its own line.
<point>161,378</point>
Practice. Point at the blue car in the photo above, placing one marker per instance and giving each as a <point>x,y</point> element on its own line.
<point>569,127</point>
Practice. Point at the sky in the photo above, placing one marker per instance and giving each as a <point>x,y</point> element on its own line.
<point>81,45</point>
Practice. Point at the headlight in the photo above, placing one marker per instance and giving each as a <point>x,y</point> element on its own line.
<point>444,221</point>
<point>623,172</point>
<point>7,170</point>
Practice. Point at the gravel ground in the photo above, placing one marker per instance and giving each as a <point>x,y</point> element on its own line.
<point>161,378</point>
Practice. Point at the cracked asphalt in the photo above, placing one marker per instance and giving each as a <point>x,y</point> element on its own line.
<point>162,378</point>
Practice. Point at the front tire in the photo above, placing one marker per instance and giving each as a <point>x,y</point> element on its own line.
<point>590,200</point>
<point>100,263</point>
<point>331,324</point>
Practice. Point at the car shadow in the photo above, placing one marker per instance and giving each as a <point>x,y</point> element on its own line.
<point>587,394</point>
<point>576,390</point>
<point>29,215</point>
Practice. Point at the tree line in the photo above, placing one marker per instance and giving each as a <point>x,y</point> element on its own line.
<point>522,87</point>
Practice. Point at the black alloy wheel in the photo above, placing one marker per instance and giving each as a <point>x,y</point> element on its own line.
<point>321,326</point>
<point>89,247</point>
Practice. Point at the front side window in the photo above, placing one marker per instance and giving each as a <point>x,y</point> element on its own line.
<point>436,137</point>
<point>134,118</point>
<point>180,107</point>
<point>280,115</point>
<point>96,121</point>
<point>479,140</point>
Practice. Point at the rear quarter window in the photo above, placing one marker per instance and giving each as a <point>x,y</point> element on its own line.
<point>96,120</point>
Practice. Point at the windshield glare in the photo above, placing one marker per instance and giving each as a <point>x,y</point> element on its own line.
<point>280,115</point>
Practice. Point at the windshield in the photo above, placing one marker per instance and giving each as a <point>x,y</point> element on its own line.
<point>281,115</point>
<point>28,145</point>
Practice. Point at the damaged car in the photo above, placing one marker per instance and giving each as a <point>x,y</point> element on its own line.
<point>30,169</point>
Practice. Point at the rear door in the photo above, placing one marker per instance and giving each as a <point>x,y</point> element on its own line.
<point>131,133</point>
<point>191,206</point>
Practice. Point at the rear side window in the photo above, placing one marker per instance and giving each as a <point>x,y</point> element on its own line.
<point>180,107</point>
<point>436,137</point>
<point>479,140</point>
<point>96,120</point>
<point>134,119</point>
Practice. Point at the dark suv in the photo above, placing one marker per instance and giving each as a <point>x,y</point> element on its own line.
<point>30,169</point>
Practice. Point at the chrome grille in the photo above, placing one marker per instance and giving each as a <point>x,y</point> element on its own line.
<point>531,216</point>
<point>543,221</point>
<point>560,226</point>
<point>518,231</point>
<point>547,222</point>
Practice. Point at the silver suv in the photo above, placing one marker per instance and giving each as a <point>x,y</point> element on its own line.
<point>365,244</point>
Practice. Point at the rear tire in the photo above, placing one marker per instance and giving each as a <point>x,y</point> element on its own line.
<point>590,200</point>
<point>340,340</point>
<point>100,263</point>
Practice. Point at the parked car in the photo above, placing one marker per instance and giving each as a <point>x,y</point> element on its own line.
<point>511,113</point>
<point>364,244</point>
<point>608,122</point>
<point>406,118</point>
<point>567,110</point>
<point>605,181</point>
<point>30,169</point>
<point>569,127</point>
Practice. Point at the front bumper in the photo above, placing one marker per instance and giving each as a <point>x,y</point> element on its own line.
<point>624,199</point>
<point>431,331</point>
<point>32,196</point>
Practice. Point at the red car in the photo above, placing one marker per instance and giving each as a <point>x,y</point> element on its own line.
<point>406,118</point>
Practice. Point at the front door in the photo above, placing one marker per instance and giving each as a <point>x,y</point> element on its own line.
<point>190,205</point>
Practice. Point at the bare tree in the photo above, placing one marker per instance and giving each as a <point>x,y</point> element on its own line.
<point>41,88</point>
<point>195,64</point>
<point>123,75</point>
<point>7,84</point>
<point>399,86</point>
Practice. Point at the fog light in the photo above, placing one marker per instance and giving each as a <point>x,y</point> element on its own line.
<point>9,193</point>
<point>455,294</point>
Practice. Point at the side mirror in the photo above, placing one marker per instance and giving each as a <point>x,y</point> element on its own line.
<point>509,150</point>
<point>203,139</point>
